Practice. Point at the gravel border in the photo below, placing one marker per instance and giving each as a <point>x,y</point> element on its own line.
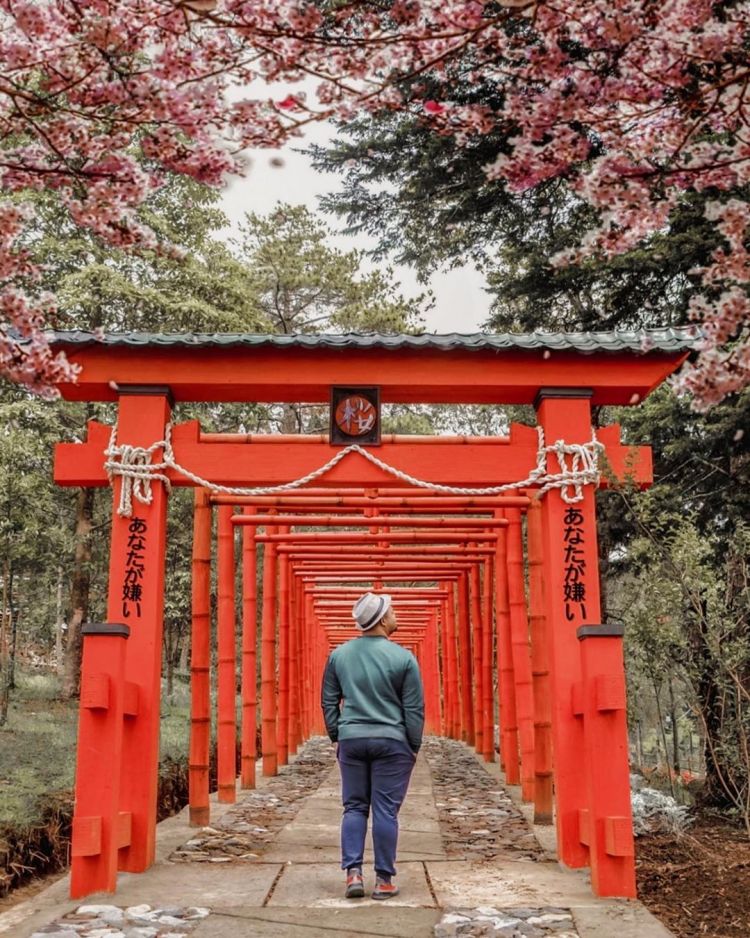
<point>478,820</point>
<point>248,828</point>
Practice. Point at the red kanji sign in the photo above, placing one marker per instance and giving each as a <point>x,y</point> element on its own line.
<point>355,416</point>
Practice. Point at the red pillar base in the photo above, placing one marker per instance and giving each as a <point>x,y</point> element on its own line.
<point>607,821</point>
<point>99,828</point>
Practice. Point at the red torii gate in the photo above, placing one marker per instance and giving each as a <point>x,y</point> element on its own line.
<point>562,375</point>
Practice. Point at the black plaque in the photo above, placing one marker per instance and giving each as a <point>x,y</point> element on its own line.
<point>355,416</point>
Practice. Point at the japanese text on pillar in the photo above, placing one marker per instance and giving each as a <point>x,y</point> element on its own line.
<point>132,585</point>
<point>574,586</point>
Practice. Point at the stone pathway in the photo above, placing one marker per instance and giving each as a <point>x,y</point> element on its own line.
<point>268,867</point>
<point>249,826</point>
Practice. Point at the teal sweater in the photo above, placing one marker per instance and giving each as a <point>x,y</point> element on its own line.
<point>379,684</point>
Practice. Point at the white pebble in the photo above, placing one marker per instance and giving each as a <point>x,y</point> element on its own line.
<point>136,911</point>
<point>63,933</point>
<point>501,921</point>
<point>548,918</point>
<point>96,909</point>
<point>453,918</point>
<point>170,920</point>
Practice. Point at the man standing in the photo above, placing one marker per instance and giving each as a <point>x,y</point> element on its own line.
<point>378,729</point>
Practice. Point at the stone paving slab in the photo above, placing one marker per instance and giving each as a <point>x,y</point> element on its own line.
<point>313,843</point>
<point>321,887</point>
<point>507,883</point>
<point>314,834</point>
<point>369,921</point>
<point>620,919</point>
<point>234,884</point>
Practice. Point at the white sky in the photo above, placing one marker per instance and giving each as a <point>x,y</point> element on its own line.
<point>461,305</point>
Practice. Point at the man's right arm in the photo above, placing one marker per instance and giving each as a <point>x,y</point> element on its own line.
<point>330,698</point>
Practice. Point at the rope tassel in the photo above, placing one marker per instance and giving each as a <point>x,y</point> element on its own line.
<point>134,465</point>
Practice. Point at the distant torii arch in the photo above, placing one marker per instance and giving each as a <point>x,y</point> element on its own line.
<point>476,542</point>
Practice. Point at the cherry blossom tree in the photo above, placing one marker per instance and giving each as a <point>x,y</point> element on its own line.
<point>634,102</point>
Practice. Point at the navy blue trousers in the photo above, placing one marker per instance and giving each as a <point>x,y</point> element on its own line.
<point>375,775</point>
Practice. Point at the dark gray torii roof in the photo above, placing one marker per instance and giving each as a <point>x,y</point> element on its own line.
<point>641,341</point>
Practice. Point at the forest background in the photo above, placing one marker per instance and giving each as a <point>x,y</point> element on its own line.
<point>674,559</point>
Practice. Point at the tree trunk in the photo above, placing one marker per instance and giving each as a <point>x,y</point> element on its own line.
<point>291,421</point>
<point>710,703</point>
<point>14,617</point>
<point>169,656</point>
<point>4,629</point>
<point>79,592</point>
<point>657,750</point>
<point>639,743</point>
<point>59,623</point>
<point>660,718</point>
<point>677,790</point>
<point>713,794</point>
<point>675,730</point>
<point>184,656</point>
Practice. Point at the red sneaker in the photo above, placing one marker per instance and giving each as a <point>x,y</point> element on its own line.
<point>385,890</point>
<point>355,888</point>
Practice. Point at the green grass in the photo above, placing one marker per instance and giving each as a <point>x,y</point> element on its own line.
<point>37,747</point>
<point>37,744</point>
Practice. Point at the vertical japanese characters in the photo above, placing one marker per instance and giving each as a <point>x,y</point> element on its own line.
<point>132,584</point>
<point>574,584</point>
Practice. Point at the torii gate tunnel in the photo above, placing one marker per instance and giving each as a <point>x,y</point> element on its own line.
<point>491,558</point>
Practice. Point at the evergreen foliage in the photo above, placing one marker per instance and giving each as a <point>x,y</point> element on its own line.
<point>400,181</point>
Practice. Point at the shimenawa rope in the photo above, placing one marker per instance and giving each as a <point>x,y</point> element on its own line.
<point>135,466</point>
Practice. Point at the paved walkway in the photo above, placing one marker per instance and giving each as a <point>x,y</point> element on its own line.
<point>294,886</point>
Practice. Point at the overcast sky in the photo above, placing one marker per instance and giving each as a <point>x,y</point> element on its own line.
<point>461,305</point>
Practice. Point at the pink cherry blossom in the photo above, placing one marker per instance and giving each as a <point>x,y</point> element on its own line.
<point>633,102</point>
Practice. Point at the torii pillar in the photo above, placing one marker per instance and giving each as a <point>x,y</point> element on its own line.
<point>136,599</point>
<point>591,829</point>
<point>143,413</point>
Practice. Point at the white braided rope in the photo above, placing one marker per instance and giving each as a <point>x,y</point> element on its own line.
<point>134,466</point>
